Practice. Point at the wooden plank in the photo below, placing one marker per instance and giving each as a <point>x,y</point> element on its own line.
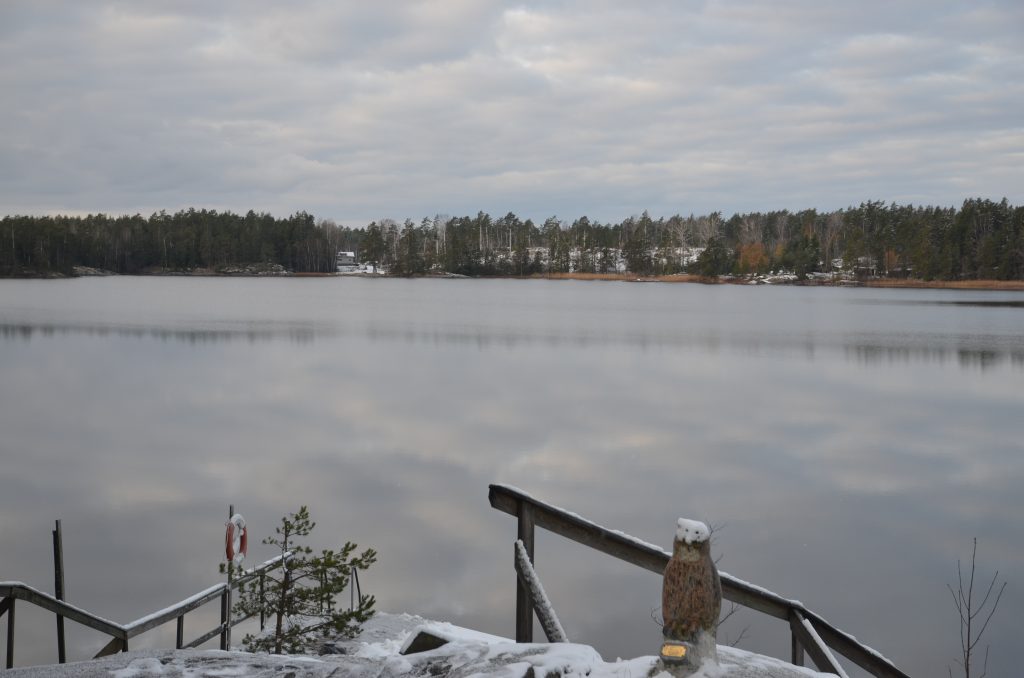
<point>213,633</point>
<point>590,534</point>
<point>50,603</point>
<point>539,600</point>
<point>263,598</point>
<point>808,638</point>
<point>225,627</point>
<point>159,619</point>
<point>10,632</point>
<point>852,649</point>
<point>259,570</point>
<point>624,548</point>
<point>113,647</point>
<point>238,620</point>
<point>58,588</point>
<point>524,606</point>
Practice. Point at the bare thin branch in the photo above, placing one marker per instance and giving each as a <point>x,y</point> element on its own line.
<point>740,637</point>
<point>969,610</point>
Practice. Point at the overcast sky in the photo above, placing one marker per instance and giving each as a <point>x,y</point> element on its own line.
<point>356,110</point>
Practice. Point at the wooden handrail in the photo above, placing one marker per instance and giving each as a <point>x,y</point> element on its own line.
<point>532,511</point>
<point>21,591</point>
<point>121,633</point>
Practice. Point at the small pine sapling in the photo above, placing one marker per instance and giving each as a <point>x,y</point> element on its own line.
<point>299,597</point>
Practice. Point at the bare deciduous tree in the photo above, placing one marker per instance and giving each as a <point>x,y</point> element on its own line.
<point>970,610</point>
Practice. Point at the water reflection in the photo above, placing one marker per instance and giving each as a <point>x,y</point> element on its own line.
<point>25,332</point>
<point>967,358</point>
<point>852,488</point>
<point>977,303</point>
<point>991,352</point>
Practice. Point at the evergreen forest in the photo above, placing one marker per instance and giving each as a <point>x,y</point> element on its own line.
<point>981,239</point>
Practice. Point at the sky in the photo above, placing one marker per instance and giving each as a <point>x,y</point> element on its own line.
<point>355,111</point>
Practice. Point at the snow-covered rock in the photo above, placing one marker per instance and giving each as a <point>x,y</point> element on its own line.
<point>377,653</point>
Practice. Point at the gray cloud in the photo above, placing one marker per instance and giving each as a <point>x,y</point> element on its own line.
<point>413,108</point>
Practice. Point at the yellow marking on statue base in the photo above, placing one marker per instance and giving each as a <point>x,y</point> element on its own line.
<point>673,650</point>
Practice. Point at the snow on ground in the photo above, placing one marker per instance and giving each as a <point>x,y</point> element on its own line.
<point>376,653</point>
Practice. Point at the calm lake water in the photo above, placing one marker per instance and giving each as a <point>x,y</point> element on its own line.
<point>847,443</point>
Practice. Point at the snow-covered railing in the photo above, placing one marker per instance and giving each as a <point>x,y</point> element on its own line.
<point>538,597</point>
<point>11,591</point>
<point>809,630</point>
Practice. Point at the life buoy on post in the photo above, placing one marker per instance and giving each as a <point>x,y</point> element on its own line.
<point>236,539</point>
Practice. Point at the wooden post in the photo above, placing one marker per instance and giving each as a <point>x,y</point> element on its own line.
<point>524,605</point>
<point>179,636</point>
<point>225,626</point>
<point>58,588</point>
<point>797,649</point>
<point>807,637</point>
<point>10,632</point>
<point>225,638</point>
<point>263,598</point>
<point>539,600</point>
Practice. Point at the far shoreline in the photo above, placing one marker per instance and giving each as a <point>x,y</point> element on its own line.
<point>878,283</point>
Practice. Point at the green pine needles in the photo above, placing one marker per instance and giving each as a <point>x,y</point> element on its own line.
<point>299,598</point>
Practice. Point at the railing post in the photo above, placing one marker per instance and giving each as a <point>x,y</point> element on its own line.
<point>58,588</point>
<point>807,637</point>
<point>225,603</point>
<point>10,632</point>
<point>524,606</point>
<point>797,650</point>
<point>263,598</point>
<point>225,627</point>
<point>179,634</point>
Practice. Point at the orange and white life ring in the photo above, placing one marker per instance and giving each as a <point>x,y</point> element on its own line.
<point>236,539</point>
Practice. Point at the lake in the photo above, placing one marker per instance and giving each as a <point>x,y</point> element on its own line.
<point>847,445</point>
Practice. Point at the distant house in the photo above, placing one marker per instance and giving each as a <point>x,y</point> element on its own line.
<point>345,262</point>
<point>866,267</point>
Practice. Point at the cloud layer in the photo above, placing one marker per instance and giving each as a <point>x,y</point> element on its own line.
<point>355,111</point>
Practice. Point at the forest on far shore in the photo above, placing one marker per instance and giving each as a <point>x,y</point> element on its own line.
<point>981,239</point>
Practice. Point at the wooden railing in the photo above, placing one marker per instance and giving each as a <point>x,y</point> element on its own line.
<point>11,591</point>
<point>810,632</point>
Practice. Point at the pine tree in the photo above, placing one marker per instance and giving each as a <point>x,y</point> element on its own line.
<point>300,598</point>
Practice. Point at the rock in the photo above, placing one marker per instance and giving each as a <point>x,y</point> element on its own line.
<point>424,641</point>
<point>331,647</point>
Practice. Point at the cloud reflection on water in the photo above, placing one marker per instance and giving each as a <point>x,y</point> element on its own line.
<point>390,428</point>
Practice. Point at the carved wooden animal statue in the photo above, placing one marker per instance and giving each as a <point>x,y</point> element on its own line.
<point>691,597</point>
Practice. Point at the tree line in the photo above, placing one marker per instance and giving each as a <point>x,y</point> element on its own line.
<point>981,239</point>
